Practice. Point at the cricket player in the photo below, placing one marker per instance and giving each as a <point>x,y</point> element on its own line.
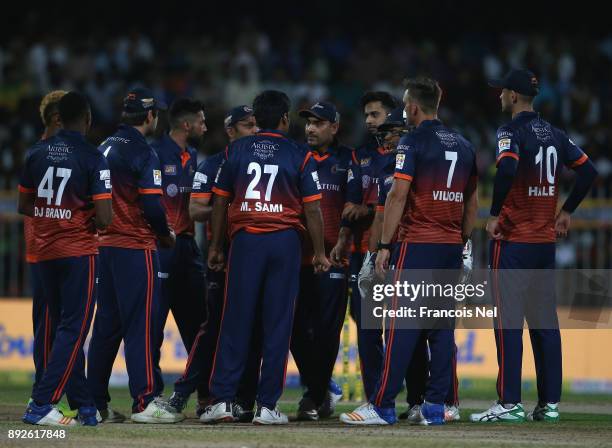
<point>64,189</point>
<point>272,184</point>
<point>432,230</point>
<point>129,307</point>
<point>322,298</point>
<point>181,267</point>
<point>239,122</point>
<point>366,167</point>
<point>523,225</point>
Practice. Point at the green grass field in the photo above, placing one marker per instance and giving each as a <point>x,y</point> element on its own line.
<point>576,428</point>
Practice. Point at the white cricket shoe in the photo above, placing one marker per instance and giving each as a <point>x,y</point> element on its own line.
<point>549,412</point>
<point>157,411</point>
<point>498,413</point>
<point>368,415</point>
<point>218,413</point>
<point>451,413</point>
<point>47,415</point>
<point>412,415</point>
<point>265,416</point>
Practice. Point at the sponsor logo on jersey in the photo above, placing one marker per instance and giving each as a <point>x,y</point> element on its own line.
<point>170,170</point>
<point>365,181</point>
<point>172,190</point>
<point>199,179</point>
<point>157,177</point>
<point>104,174</point>
<point>366,161</point>
<point>399,161</point>
<point>315,177</point>
<point>350,175</point>
<point>447,139</point>
<point>337,169</point>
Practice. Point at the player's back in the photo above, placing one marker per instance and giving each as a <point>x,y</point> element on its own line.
<point>441,165</point>
<point>528,213</point>
<point>63,172</point>
<point>263,173</point>
<point>135,171</point>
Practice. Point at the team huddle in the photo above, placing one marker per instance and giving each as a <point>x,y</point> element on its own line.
<point>296,233</point>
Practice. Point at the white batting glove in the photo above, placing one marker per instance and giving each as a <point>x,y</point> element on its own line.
<point>367,274</point>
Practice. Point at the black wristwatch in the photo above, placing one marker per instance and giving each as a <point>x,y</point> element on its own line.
<point>382,245</point>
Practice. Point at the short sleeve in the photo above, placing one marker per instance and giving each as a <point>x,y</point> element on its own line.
<point>224,179</point>
<point>100,179</point>
<point>203,179</point>
<point>149,176</point>
<point>405,159</point>
<point>26,182</point>
<point>310,188</point>
<point>573,155</point>
<point>507,145</point>
<point>384,185</point>
<point>354,190</point>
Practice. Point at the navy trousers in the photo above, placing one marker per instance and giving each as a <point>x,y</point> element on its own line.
<point>401,344</point>
<point>129,310</point>
<point>262,269</point>
<point>70,297</point>
<point>319,316</point>
<point>515,287</point>
<point>183,291</point>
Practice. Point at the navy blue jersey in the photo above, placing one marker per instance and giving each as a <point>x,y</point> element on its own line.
<point>269,177</point>
<point>205,175</point>
<point>66,173</point>
<point>177,167</point>
<point>441,164</point>
<point>529,211</point>
<point>135,171</point>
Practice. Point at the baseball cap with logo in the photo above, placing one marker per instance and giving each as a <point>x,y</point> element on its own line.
<point>237,114</point>
<point>141,99</point>
<point>322,110</point>
<point>520,80</point>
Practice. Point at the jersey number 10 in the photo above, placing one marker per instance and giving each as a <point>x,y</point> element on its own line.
<point>551,163</point>
<point>45,188</point>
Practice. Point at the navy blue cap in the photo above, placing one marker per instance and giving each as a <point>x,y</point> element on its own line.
<point>520,80</point>
<point>141,99</point>
<point>237,114</point>
<point>322,110</point>
<point>395,119</point>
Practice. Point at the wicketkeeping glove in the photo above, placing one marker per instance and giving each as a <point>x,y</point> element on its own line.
<point>367,275</point>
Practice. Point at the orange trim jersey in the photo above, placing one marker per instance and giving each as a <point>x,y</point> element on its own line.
<point>135,171</point>
<point>66,174</point>
<point>178,167</point>
<point>268,178</point>
<point>529,210</point>
<point>441,165</point>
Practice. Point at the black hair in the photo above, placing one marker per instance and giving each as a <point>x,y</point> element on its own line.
<point>73,108</point>
<point>269,107</point>
<point>426,92</point>
<point>136,118</point>
<point>386,99</point>
<point>182,107</point>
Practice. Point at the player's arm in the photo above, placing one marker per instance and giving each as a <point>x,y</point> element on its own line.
<point>103,213</point>
<point>314,222</point>
<point>376,230</point>
<point>216,260</point>
<point>25,202</point>
<point>586,173</point>
<point>470,205</point>
<point>507,165</point>
<point>150,194</point>
<point>199,208</point>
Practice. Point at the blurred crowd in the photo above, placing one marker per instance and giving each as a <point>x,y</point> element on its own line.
<point>227,69</point>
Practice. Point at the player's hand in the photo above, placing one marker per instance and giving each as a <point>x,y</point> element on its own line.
<point>320,263</point>
<point>493,228</point>
<point>562,223</point>
<point>382,262</point>
<point>354,212</point>
<point>339,255</point>
<point>216,259</point>
<point>168,241</point>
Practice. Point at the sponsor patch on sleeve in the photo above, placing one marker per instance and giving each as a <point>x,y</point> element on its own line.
<point>315,177</point>
<point>504,144</point>
<point>105,174</point>
<point>157,177</point>
<point>399,161</point>
<point>350,175</point>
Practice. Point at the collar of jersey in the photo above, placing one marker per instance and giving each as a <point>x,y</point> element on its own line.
<point>167,140</point>
<point>430,123</point>
<point>73,134</point>
<point>133,132</point>
<point>526,114</point>
<point>272,133</point>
